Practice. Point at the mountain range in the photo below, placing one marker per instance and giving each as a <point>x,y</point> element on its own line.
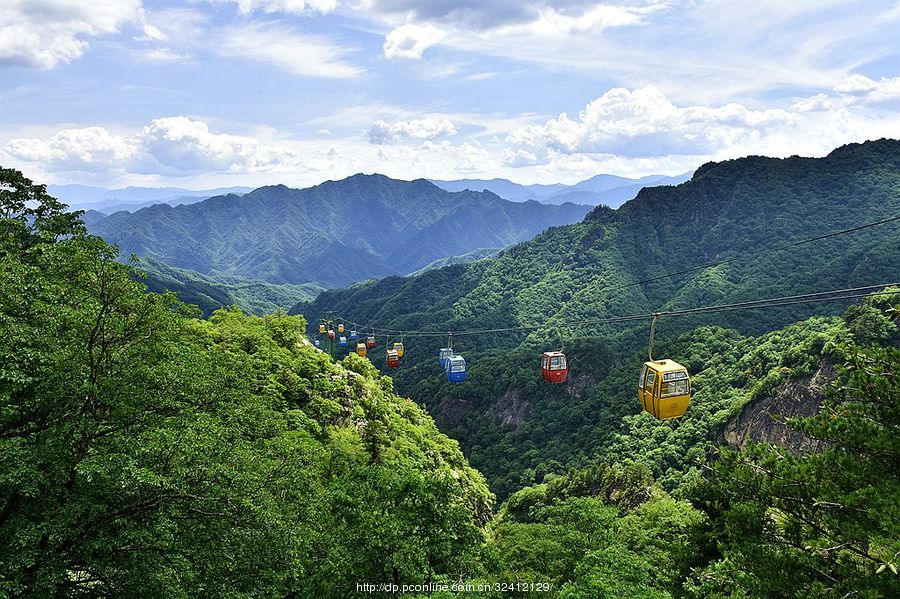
<point>332,234</point>
<point>710,229</point>
<point>107,201</point>
<point>606,190</point>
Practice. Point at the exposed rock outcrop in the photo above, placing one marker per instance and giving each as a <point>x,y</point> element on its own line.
<point>764,421</point>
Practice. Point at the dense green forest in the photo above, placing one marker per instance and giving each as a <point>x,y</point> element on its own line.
<point>146,451</point>
<point>210,293</point>
<point>332,234</point>
<point>513,427</point>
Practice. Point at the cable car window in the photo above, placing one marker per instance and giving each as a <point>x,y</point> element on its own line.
<point>558,363</point>
<point>679,387</point>
<point>642,377</point>
<point>651,378</point>
<point>458,367</point>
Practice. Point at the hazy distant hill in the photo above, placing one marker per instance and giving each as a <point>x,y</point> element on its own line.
<point>608,190</point>
<point>85,197</point>
<point>332,234</point>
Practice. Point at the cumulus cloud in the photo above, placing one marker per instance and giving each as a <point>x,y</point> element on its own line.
<point>88,148</point>
<point>410,41</point>
<point>46,34</point>
<point>642,122</point>
<point>300,54</point>
<point>863,88</point>
<point>175,146</point>
<point>383,132</point>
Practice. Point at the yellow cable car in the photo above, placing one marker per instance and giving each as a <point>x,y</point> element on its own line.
<point>664,386</point>
<point>664,389</point>
<point>321,328</point>
<point>340,327</point>
<point>398,347</point>
<point>361,350</point>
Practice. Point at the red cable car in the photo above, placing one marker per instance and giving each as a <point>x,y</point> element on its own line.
<point>393,360</point>
<point>370,342</point>
<point>554,367</point>
<point>331,334</point>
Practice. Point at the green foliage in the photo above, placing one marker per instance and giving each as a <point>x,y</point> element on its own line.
<point>144,452</point>
<point>209,293</point>
<point>823,524</point>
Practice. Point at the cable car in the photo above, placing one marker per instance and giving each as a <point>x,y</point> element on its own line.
<point>353,336</point>
<point>340,327</point>
<point>361,350</point>
<point>317,343</point>
<point>444,355</point>
<point>342,341</point>
<point>331,334</point>
<point>398,347</point>
<point>393,360</point>
<point>370,342</point>
<point>456,369</point>
<point>321,328</point>
<point>554,367</point>
<point>664,389</point>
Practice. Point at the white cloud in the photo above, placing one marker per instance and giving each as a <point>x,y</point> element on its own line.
<point>47,33</point>
<point>383,132</point>
<point>861,87</point>
<point>300,7</point>
<point>181,144</point>
<point>162,55</point>
<point>173,146</point>
<point>410,41</point>
<point>602,16</point>
<point>300,54</point>
<point>642,122</point>
<point>85,149</point>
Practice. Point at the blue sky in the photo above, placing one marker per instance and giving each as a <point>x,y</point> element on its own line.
<point>248,92</point>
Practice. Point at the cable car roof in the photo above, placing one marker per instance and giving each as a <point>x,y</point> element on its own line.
<point>664,365</point>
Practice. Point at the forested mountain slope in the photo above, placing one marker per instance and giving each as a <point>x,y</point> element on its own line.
<point>508,421</point>
<point>146,452</point>
<point>332,234</point>
<point>209,293</point>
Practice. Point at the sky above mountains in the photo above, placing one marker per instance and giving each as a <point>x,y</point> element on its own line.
<point>210,93</point>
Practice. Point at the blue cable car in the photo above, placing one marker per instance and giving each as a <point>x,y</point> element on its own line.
<point>456,369</point>
<point>342,341</point>
<point>318,343</point>
<point>444,355</point>
<point>354,336</point>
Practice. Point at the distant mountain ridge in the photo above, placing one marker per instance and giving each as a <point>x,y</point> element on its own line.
<point>606,190</point>
<point>332,234</point>
<point>107,201</point>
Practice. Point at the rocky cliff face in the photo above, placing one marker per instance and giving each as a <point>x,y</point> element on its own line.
<point>764,421</point>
